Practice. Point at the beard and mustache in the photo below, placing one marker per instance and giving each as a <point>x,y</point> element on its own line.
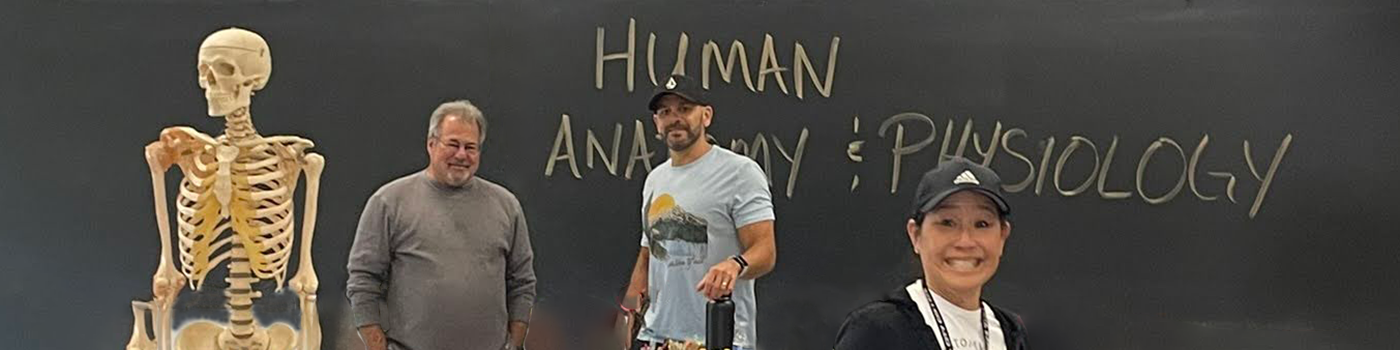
<point>455,173</point>
<point>689,135</point>
<point>458,176</point>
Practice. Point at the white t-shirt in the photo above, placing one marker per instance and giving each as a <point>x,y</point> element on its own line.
<point>964,326</point>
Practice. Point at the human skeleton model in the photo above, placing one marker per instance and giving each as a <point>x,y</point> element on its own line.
<point>234,205</point>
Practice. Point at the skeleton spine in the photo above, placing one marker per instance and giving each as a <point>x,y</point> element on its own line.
<point>240,296</point>
<point>239,125</point>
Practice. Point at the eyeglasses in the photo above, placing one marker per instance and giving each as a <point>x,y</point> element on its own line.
<point>454,145</point>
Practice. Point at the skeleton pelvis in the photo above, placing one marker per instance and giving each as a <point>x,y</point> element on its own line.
<point>207,335</point>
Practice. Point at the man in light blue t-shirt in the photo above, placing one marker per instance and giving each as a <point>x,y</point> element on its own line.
<point>707,221</point>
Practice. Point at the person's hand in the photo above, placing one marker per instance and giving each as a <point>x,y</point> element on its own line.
<point>720,280</point>
<point>629,317</point>
<point>374,337</point>
<point>623,329</point>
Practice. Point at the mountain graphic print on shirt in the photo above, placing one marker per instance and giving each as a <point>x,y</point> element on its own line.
<point>676,237</point>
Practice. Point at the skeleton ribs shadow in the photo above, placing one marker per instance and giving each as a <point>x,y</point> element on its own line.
<point>234,206</point>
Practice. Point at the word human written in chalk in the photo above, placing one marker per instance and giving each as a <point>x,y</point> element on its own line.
<point>714,58</point>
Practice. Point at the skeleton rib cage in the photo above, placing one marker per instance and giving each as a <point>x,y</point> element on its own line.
<point>238,196</point>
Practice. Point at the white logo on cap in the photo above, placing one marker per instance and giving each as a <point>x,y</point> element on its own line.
<point>966,178</point>
<point>671,84</point>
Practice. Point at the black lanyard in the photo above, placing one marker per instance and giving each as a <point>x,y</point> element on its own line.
<point>943,328</point>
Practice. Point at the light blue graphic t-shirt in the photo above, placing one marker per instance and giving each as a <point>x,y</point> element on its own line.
<point>691,215</point>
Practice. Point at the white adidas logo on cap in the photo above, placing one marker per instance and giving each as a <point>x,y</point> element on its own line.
<point>671,84</point>
<point>966,178</point>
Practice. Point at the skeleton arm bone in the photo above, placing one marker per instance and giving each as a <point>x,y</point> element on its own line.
<point>305,282</point>
<point>167,282</point>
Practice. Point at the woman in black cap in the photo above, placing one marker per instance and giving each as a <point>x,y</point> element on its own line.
<point>958,228</point>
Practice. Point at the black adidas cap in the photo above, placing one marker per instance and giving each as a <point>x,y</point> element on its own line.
<point>682,86</point>
<point>951,176</point>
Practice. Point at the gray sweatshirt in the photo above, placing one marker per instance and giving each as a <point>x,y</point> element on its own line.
<point>439,267</point>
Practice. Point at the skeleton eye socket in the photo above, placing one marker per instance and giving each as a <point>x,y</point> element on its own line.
<point>223,68</point>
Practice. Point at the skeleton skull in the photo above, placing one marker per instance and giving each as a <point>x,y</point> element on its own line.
<point>233,63</point>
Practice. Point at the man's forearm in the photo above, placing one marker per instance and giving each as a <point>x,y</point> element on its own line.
<point>638,282</point>
<point>761,260</point>
<point>517,333</point>
<point>760,249</point>
<point>373,336</point>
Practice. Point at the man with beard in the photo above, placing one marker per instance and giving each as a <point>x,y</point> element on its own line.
<point>442,258</point>
<point>707,225</point>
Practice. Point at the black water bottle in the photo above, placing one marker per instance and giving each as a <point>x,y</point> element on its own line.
<point>719,324</point>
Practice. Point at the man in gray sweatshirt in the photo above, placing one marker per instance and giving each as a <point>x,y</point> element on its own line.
<point>442,258</point>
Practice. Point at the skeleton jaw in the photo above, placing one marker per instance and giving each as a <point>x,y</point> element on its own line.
<point>223,103</point>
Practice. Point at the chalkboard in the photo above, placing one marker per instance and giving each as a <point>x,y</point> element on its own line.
<point>1183,174</point>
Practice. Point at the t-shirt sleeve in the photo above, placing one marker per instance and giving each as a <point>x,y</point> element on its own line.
<point>751,200</point>
<point>646,204</point>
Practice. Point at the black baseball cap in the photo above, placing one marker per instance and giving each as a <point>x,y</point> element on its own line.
<point>682,86</point>
<point>951,176</point>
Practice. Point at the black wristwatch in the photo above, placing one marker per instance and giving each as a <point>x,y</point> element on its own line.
<point>743,264</point>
